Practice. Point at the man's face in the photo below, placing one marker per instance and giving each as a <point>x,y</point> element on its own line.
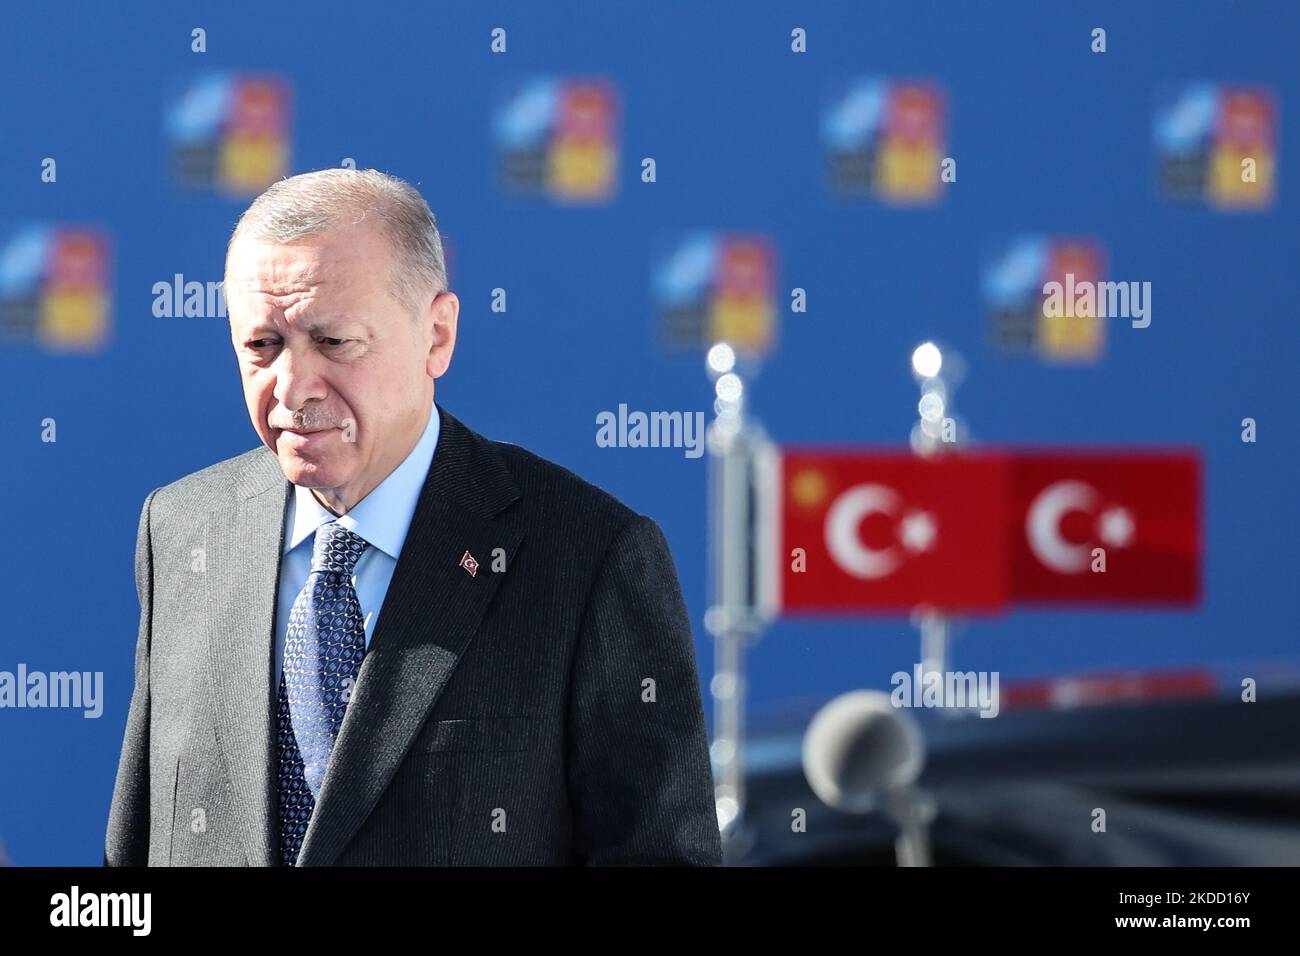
<point>338,377</point>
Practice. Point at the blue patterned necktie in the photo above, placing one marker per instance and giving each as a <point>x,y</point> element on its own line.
<point>324,644</point>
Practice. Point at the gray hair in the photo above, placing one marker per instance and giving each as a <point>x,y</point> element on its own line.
<point>311,203</point>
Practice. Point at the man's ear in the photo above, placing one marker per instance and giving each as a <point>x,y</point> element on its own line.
<point>443,314</point>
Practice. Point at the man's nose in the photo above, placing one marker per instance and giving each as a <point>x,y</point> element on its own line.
<point>297,381</point>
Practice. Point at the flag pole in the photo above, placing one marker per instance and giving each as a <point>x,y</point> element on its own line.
<point>913,808</point>
<point>934,430</point>
<point>740,457</point>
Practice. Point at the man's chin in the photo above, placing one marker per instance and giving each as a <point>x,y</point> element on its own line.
<point>310,471</point>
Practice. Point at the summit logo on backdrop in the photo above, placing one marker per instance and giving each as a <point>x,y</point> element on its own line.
<point>229,133</point>
<point>1217,145</point>
<point>1017,286</point>
<point>886,139</point>
<point>55,291</point>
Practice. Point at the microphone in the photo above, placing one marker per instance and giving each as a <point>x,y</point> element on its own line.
<point>862,754</point>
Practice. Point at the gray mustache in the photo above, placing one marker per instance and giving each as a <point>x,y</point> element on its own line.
<point>305,424</point>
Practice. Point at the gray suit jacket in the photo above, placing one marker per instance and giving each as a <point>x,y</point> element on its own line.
<point>545,712</point>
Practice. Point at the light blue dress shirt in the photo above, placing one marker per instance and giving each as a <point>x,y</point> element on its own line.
<point>382,518</point>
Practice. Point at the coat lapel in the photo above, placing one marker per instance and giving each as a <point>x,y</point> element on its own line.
<point>429,617</point>
<point>243,566</point>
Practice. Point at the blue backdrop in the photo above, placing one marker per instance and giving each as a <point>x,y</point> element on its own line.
<point>1049,136</point>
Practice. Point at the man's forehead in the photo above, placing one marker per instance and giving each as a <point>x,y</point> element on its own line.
<point>352,248</point>
<point>295,265</point>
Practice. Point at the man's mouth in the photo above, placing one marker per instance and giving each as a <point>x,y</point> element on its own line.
<point>304,436</point>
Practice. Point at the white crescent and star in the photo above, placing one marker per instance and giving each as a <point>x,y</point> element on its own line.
<point>1114,525</point>
<point>916,531</point>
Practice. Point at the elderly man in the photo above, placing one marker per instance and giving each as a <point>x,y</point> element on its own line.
<point>381,638</point>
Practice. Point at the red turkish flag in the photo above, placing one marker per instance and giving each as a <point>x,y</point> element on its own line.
<point>1141,508</point>
<point>886,531</point>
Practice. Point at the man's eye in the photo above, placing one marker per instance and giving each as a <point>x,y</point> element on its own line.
<point>260,343</point>
<point>328,341</point>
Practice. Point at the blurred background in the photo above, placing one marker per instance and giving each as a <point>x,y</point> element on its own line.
<point>620,186</point>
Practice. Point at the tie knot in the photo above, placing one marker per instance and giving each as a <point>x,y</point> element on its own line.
<point>336,548</point>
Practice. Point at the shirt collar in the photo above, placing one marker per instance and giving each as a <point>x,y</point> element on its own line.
<point>382,517</point>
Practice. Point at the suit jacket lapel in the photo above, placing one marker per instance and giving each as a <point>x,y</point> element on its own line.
<point>243,565</point>
<point>428,619</point>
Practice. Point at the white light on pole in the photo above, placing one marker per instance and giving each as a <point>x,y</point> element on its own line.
<point>927,360</point>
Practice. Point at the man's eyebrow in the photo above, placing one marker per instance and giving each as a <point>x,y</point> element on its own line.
<point>322,327</point>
